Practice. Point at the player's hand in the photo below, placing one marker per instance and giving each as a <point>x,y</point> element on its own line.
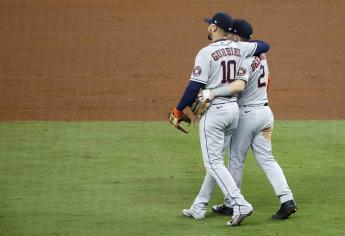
<point>206,95</point>
<point>175,118</point>
<point>200,107</point>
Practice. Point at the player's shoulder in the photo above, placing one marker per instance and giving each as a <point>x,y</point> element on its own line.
<point>245,67</point>
<point>208,49</point>
<point>256,64</point>
<point>264,62</point>
<point>247,62</point>
<point>242,44</point>
<point>203,51</point>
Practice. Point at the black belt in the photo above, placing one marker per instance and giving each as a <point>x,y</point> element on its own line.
<point>223,103</point>
<point>266,105</point>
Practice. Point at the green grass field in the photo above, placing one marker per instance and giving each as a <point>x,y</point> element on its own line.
<point>134,178</point>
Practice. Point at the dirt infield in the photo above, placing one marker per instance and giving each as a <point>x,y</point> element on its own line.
<point>131,60</point>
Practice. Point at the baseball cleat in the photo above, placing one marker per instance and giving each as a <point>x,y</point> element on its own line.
<point>285,210</point>
<point>190,213</point>
<point>223,210</point>
<point>236,220</point>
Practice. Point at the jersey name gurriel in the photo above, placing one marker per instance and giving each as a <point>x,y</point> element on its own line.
<point>217,63</point>
<point>223,52</point>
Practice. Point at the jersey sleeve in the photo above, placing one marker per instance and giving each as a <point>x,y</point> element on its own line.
<point>247,49</point>
<point>244,70</point>
<point>201,68</point>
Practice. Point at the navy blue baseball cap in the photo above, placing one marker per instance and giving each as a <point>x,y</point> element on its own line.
<point>222,20</point>
<point>242,28</point>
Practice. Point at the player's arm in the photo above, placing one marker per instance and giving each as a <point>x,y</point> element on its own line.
<point>231,89</point>
<point>189,95</point>
<point>261,47</point>
<point>176,116</point>
<point>254,48</point>
<point>225,91</point>
<point>198,80</point>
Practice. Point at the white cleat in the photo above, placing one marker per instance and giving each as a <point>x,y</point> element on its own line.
<point>236,220</point>
<point>190,213</point>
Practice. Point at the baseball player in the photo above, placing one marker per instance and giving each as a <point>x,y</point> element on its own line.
<point>254,127</point>
<point>216,65</point>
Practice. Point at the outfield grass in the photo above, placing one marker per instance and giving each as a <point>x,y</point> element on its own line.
<point>133,178</point>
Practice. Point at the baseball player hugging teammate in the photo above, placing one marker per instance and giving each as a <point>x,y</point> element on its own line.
<point>254,127</point>
<point>230,80</point>
<point>217,65</point>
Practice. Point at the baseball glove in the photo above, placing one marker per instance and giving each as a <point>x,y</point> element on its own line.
<point>199,107</point>
<point>176,117</point>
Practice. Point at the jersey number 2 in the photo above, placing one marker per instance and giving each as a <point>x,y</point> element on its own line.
<point>229,71</point>
<point>262,70</point>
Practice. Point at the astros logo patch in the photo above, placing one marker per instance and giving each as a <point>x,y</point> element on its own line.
<point>197,71</point>
<point>241,71</point>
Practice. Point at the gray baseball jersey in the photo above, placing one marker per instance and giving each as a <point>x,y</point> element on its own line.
<point>217,64</point>
<point>254,129</point>
<point>255,73</point>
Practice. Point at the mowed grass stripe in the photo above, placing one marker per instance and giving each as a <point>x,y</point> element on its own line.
<point>134,178</point>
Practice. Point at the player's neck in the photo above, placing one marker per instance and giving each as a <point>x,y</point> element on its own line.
<point>218,38</point>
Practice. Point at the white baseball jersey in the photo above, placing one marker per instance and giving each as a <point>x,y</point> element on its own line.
<point>217,64</point>
<point>255,73</point>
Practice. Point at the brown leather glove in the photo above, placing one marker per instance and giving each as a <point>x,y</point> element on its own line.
<point>199,107</point>
<point>175,118</point>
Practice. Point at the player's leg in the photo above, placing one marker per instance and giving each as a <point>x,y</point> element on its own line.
<point>199,206</point>
<point>240,145</point>
<point>215,130</point>
<point>209,183</point>
<point>262,149</point>
<point>225,208</point>
<point>238,148</point>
